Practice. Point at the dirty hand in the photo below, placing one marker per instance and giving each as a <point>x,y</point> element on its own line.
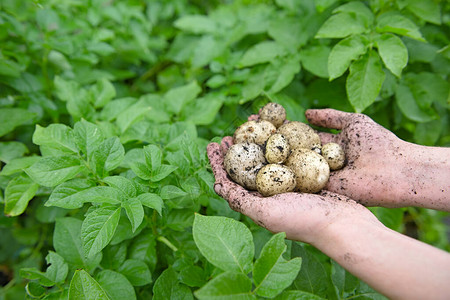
<point>304,217</point>
<point>381,169</point>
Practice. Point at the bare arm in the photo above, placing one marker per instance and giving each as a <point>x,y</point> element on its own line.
<point>383,170</point>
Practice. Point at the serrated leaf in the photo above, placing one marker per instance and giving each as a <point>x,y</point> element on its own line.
<point>108,156</point>
<point>167,286</point>
<point>116,285</point>
<point>399,24</point>
<point>53,170</point>
<point>226,243</point>
<point>343,53</point>
<point>136,271</point>
<point>228,285</point>
<point>98,229</point>
<point>261,53</point>
<point>364,81</point>
<point>342,25</point>
<point>152,201</point>
<point>18,193</point>
<point>57,136</point>
<point>135,212</point>
<point>393,53</point>
<point>83,286</point>
<point>87,136</point>
<point>271,272</point>
<point>10,118</point>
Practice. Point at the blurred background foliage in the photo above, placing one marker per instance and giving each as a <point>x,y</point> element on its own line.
<point>156,72</point>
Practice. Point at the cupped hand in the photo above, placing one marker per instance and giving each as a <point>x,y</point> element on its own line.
<point>375,157</point>
<point>304,217</point>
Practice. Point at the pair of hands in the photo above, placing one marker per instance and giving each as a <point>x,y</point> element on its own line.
<point>372,153</point>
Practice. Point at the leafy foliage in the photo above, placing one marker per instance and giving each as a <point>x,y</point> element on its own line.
<point>104,120</point>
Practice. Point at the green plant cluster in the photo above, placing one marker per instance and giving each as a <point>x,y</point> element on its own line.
<point>106,108</point>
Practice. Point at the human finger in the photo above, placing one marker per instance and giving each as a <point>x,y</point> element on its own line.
<point>326,137</point>
<point>253,118</point>
<point>327,118</point>
<point>226,143</point>
<point>215,156</point>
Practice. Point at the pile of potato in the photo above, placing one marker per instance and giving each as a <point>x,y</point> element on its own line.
<point>273,156</point>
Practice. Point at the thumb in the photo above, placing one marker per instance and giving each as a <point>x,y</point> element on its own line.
<point>328,118</point>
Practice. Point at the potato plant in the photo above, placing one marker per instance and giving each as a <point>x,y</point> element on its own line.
<point>106,108</point>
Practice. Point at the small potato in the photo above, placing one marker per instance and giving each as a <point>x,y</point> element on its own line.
<point>242,162</point>
<point>311,170</point>
<point>277,149</point>
<point>334,154</point>
<point>300,135</point>
<point>274,113</point>
<point>254,132</point>
<point>275,179</point>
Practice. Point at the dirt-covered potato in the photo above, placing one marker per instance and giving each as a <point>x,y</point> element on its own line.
<point>300,135</point>
<point>275,179</point>
<point>242,162</point>
<point>334,154</point>
<point>277,149</point>
<point>254,132</point>
<point>274,113</point>
<point>311,170</point>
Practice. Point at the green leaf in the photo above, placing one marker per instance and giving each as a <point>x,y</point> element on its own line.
<point>162,172</point>
<point>113,256</point>
<point>103,92</point>
<point>74,193</point>
<point>108,156</point>
<point>342,25</point>
<point>313,277</point>
<point>67,243</point>
<point>125,185</point>
<point>426,10</point>
<point>364,81</point>
<point>18,165</point>
<point>136,271</point>
<point>152,201</point>
<point>98,229</point>
<point>83,286</point>
<point>314,59</point>
<point>135,212</point>
<point>193,276</point>
<point>343,53</point>
<point>11,150</point>
<point>116,285</point>
<point>409,107</point>
<point>10,118</point>
<point>67,91</point>
<point>390,217</point>
<point>399,24</point>
<point>171,192</point>
<point>167,286</point>
<point>359,9</point>
<point>393,53</point>
<point>153,156</point>
<point>228,285</point>
<point>226,243</point>
<point>53,170</point>
<point>10,68</point>
<point>58,268</point>
<point>344,281</point>
<point>88,136</point>
<point>286,74</point>
<point>178,97</point>
<point>35,290</point>
<point>260,53</point>
<point>18,193</point>
<point>271,272</point>
<point>428,133</point>
<point>204,110</point>
<point>57,136</point>
<point>298,295</point>
<point>196,24</point>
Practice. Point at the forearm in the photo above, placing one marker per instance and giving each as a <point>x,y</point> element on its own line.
<point>393,264</point>
<point>426,177</point>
